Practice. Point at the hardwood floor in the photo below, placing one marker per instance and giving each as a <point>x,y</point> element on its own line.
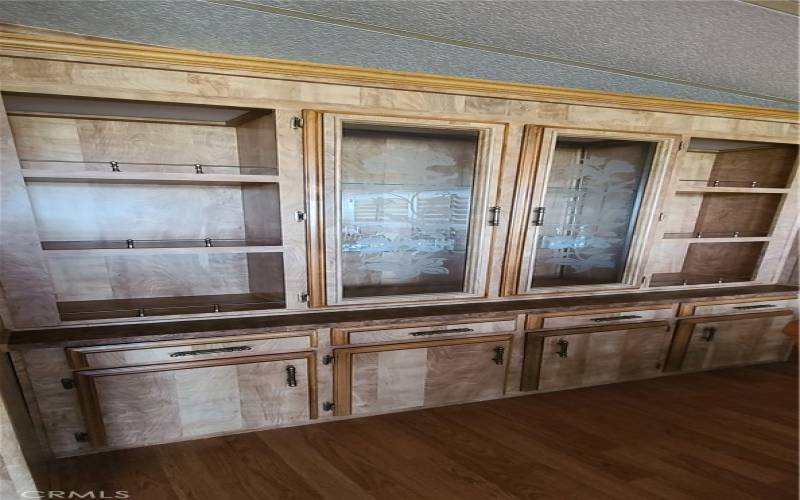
<point>728,434</point>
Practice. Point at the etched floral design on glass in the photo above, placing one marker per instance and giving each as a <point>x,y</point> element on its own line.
<point>405,209</point>
<point>591,205</point>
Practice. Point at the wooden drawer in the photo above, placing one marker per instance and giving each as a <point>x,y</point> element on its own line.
<point>421,331</point>
<point>387,377</point>
<point>745,307</point>
<point>110,356</point>
<point>149,404</point>
<point>706,342</point>
<point>583,356</point>
<point>606,317</point>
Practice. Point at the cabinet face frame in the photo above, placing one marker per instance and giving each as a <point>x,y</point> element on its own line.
<point>343,364</point>
<point>323,177</point>
<point>90,403</point>
<point>539,164</point>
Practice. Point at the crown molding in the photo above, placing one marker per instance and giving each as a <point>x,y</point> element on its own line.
<point>40,44</point>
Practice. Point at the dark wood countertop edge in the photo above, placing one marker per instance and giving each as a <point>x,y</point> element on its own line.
<point>84,335</point>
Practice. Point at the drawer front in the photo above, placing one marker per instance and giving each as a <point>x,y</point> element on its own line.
<point>606,318</point>
<point>746,307</point>
<point>172,352</point>
<point>422,332</point>
<point>139,405</point>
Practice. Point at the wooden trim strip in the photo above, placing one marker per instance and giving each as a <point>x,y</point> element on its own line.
<point>14,39</point>
<point>315,209</point>
<point>735,316</point>
<point>520,211</point>
<point>549,332</point>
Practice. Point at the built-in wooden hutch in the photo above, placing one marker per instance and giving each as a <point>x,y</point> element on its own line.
<point>195,245</point>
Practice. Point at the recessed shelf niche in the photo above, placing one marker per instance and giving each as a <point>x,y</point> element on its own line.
<point>147,208</point>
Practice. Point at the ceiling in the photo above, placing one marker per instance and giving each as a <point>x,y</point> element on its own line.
<point>711,50</point>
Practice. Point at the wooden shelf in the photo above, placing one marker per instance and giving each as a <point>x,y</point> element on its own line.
<point>161,306</point>
<point>145,177</point>
<point>163,250</point>
<point>679,279</point>
<point>713,239</point>
<point>739,190</point>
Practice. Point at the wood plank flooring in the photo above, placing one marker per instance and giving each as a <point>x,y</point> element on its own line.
<point>728,434</point>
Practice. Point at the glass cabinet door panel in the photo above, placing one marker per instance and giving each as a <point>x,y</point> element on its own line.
<point>406,195</point>
<point>591,202</point>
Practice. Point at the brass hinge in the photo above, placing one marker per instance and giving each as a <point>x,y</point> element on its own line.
<point>296,122</point>
<point>82,437</point>
<point>328,406</point>
<point>328,359</point>
<point>67,383</point>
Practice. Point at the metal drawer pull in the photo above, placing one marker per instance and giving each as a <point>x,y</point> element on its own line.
<point>563,347</point>
<point>199,352</point>
<point>615,318</point>
<point>759,306</point>
<point>439,332</point>
<point>498,355</point>
<point>291,376</point>
<point>708,334</point>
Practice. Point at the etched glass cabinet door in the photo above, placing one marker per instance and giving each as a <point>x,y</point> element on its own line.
<point>591,211</point>
<point>408,207</point>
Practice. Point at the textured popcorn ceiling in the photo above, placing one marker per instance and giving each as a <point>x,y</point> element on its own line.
<point>712,50</point>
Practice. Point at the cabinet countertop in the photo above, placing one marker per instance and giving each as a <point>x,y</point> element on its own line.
<point>95,334</point>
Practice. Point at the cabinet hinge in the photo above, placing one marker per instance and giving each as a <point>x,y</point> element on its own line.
<point>328,406</point>
<point>300,216</point>
<point>296,122</point>
<point>328,359</point>
<point>82,437</point>
<point>302,297</point>
<point>67,383</point>
<point>538,216</point>
<point>680,146</point>
<point>661,217</point>
<point>494,216</point>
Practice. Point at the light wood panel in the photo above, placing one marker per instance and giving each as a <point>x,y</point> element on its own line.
<point>715,344</point>
<point>157,403</point>
<point>378,378</point>
<point>575,357</point>
<point>739,335</point>
<point>28,289</point>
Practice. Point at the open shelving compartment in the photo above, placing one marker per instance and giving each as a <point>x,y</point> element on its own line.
<point>147,208</point>
<point>722,215</point>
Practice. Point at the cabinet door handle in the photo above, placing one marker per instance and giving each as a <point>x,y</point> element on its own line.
<point>563,348</point>
<point>217,350</point>
<point>615,318</point>
<point>499,352</point>
<point>708,334</point>
<point>291,376</point>
<point>758,306</point>
<point>439,332</point>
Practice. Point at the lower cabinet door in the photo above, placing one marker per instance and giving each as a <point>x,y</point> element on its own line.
<point>561,359</point>
<point>380,378</point>
<point>713,342</point>
<point>137,405</point>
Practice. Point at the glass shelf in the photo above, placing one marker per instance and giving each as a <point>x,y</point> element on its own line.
<point>161,306</point>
